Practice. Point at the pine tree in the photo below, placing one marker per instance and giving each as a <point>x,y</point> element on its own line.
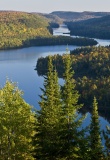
<point>95,134</point>
<point>47,138</point>
<point>71,121</point>
<point>16,124</point>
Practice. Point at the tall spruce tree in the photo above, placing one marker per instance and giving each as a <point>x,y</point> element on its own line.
<point>48,118</point>
<point>71,134</point>
<point>95,134</point>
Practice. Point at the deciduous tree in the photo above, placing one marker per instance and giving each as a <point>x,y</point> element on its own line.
<point>16,124</point>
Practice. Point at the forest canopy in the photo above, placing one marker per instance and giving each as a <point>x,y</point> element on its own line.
<point>92,72</point>
<point>16,27</point>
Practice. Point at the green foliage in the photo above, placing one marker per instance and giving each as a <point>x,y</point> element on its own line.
<point>47,137</point>
<point>16,124</point>
<point>71,121</point>
<point>95,134</point>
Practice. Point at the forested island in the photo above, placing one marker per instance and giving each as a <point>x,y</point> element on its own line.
<point>20,29</point>
<point>92,73</point>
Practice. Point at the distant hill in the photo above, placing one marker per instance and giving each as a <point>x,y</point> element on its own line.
<point>93,28</point>
<point>78,16</point>
<point>53,18</point>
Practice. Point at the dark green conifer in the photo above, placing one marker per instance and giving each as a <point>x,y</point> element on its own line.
<point>71,121</point>
<point>95,134</point>
<point>47,138</point>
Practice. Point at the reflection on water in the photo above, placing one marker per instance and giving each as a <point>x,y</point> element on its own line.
<point>61,31</point>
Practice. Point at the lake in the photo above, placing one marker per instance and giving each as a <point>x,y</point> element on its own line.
<point>18,65</point>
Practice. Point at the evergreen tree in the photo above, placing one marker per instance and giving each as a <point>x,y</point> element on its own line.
<point>95,134</point>
<point>73,138</point>
<point>16,125</point>
<point>107,142</point>
<point>58,135</point>
<point>47,138</point>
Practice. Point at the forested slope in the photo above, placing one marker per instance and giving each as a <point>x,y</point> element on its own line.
<point>93,28</point>
<point>16,27</point>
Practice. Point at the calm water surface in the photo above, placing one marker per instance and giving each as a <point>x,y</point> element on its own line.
<point>18,65</point>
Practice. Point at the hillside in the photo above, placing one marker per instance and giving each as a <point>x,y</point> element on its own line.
<point>93,28</point>
<point>78,16</point>
<point>16,27</point>
<point>53,18</point>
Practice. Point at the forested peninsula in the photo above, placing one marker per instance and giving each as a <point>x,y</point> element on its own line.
<point>20,29</point>
<point>92,73</point>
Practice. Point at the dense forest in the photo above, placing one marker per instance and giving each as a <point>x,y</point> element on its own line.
<point>92,73</point>
<point>93,28</point>
<point>20,29</point>
<point>55,131</point>
<point>59,40</point>
<point>16,27</point>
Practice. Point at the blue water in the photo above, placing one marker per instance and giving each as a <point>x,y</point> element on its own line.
<point>18,65</point>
